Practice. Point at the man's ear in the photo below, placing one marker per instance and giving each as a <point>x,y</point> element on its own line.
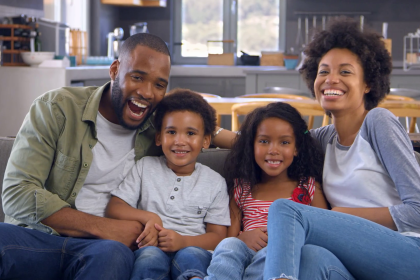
<point>157,139</point>
<point>113,69</point>
<point>206,142</point>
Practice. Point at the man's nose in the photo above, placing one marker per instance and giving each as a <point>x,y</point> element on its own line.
<point>145,90</point>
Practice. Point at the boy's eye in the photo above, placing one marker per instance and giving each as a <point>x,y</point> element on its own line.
<point>170,131</point>
<point>285,142</point>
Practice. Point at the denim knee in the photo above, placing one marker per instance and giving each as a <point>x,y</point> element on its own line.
<point>112,252</point>
<point>149,252</point>
<point>188,252</point>
<point>282,204</point>
<point>232,243</point>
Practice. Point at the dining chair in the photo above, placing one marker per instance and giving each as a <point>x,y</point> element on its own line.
<point>406,109</point>
<point>305,109</point>
<point>210,95</point>
<point>284,96</point>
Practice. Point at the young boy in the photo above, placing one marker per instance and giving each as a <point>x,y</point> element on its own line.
<point>183,205</point>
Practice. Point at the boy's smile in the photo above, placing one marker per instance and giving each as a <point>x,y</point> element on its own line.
<point>182,137</point>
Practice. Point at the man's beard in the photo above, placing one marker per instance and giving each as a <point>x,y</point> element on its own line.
<point>118,105</point>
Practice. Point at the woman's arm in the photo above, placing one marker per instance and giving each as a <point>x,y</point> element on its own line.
<point>319,198</point>
<point>223,138</point>
<point>380,215</point>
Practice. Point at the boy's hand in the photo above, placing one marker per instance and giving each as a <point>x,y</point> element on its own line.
<point>255,239</point>
<point>169,240</point>
<point>149,236</point>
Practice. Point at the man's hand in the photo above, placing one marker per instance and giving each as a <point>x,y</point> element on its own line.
<point>169,240</point>
<point>149,236</point>
<point>255,239</point>
<point>123,231</point>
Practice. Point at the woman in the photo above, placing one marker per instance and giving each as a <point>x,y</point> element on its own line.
<point>371,178</point>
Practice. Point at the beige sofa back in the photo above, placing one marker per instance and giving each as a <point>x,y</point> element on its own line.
<point>214,158</point>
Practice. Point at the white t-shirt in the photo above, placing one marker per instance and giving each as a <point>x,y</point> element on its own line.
<point>184,203</point>
<point>113,157</point>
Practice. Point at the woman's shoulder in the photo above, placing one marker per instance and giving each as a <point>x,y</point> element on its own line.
<point>324,135</point>
<point>380,119</point>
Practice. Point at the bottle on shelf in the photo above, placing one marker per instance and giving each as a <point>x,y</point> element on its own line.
<point>37,40</point>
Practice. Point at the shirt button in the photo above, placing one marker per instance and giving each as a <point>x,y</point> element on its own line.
<point>90,146</point>
<point>176,189</point>
<point>73,194</point>
<point>178,180</point>
<point>198,212</point>
<point>172,197</point>
<point>85,164</point>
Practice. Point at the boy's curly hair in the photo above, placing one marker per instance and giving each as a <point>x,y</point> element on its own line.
<point>345,33</point>
<point>241,165</point>
<point>186,100</point>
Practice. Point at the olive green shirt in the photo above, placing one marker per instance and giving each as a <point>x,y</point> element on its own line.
<point>52,154</point>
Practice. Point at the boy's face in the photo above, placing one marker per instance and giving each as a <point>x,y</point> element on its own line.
<point>182,137</point>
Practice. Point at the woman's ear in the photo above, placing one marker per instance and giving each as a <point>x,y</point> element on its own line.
<point>206,142</point>
<point>367,89</point>
<point>158,142</point>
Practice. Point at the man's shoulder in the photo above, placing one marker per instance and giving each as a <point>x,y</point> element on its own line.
<point>78,95</point>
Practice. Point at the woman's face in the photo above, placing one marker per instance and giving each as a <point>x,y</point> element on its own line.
<point>339,85</point>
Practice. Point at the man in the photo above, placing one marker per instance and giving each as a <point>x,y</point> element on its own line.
<point>74,147</point>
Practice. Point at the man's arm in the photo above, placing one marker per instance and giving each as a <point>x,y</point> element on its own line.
<point>224,139</point>
<point>71,222</point>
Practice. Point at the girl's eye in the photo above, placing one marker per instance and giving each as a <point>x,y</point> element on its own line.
<point>190,133</point>
<point>170,131</point>
<point>263,141</point>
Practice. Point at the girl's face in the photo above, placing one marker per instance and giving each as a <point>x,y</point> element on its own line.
<point>274,147</point>
<point>339,85</point>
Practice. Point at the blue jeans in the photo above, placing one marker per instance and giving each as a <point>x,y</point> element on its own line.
<point>31,254</point>
<point>232,260</point>
<point>310,243</point>
<point>152,263</point>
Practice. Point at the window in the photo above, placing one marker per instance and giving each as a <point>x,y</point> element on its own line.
<point>255,26</point>
<point>72,12</point>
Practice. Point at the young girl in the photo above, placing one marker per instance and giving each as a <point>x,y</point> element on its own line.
<point>371,177</point>
<point>273,157</point>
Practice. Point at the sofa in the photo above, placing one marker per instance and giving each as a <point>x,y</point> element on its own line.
<point>214,158</point>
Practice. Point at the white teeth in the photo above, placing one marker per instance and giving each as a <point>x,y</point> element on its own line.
<point>181,152</point>
<point>333,92</point>
<point>273,162</point>
<point>138,104</point>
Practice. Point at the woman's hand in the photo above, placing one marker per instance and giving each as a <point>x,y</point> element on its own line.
<point>255,239</point>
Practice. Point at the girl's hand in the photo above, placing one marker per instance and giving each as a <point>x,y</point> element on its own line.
<point>169,240</point>
<point>149,236</point>
<point>255,239</point>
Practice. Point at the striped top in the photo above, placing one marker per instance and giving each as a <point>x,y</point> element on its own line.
<point>255,212</point>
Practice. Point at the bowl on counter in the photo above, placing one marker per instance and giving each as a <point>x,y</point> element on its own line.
<point>35,58</point>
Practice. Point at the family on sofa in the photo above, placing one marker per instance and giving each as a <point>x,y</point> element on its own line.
<point>99,172</point>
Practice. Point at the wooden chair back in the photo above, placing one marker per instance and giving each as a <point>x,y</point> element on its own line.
<point>404,109</point>
<point>304,109</point>
<point>275,95</point>
<point>210,95</point>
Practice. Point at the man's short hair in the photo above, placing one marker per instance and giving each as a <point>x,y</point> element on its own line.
<point>186,100</point>
<point>143,39</point>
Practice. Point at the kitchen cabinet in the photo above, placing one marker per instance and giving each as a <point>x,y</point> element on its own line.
<point>138,3</point>
<point>223,86</point>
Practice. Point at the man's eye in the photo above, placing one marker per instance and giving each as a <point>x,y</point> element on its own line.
<point>160,86</point>
<point>136,77</point>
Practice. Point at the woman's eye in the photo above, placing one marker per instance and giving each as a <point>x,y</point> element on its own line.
<point>345,72</point>
<point>322,72</point>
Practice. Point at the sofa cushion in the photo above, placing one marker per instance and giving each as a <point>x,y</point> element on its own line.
<point>6,144</point>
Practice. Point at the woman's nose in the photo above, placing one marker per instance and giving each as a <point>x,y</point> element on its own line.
<point>332,78</point>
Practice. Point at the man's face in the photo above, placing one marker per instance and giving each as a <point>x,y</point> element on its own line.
<point>139,85</point>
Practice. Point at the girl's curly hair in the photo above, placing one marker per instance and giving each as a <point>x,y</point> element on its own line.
<point>345,33</point>
<point>241,165</point>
